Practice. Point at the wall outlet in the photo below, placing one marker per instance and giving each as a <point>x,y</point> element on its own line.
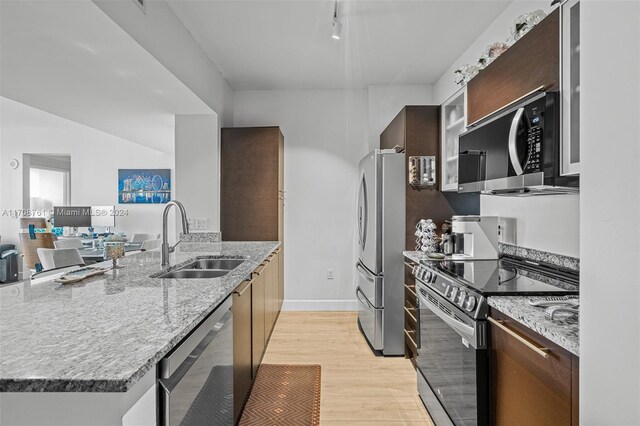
<point>201,223</point>
<point>331,274</point>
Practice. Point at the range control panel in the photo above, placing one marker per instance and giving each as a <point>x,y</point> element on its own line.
<point>471,303</point>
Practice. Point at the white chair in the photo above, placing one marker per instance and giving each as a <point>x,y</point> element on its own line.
<point>59,258</point>
<point>69,243</point>
<point>150,244</point>
<point>140,238</point>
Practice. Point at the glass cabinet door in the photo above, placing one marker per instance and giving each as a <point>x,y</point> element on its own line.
<point>571,87</point>
<point>453,123</point>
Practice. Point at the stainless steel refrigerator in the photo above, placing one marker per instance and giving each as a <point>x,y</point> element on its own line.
<point>381,240</point>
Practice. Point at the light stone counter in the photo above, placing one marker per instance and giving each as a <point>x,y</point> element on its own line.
<point>105,333</point>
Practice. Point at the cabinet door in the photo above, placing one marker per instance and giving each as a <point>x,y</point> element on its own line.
<point>281,276</point>
<point>257,320</point>
<point>249,183</point>
<point>526,387</point>
<point>242,366</point>
<point>533,62</point>
<point>571,87</point>
<point>452,118</point>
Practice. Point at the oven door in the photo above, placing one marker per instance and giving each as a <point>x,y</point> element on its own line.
<point>452,358</point>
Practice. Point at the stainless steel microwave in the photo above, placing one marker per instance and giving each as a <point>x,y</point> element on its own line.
<point>516,151</point>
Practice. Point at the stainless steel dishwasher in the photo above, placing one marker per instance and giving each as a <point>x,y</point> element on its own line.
<point>196,377</point>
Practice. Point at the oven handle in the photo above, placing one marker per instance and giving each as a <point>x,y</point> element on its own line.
<point>513,149</point>
<point>468,331</point>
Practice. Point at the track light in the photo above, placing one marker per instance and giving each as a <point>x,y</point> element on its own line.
<point>337,26</point>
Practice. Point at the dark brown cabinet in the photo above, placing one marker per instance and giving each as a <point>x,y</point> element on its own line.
<point>411,315</point>
<point>242,366</point>
<point>533,62</point>
<point>257,318</point>
<point>252,184</point>
<point>533,381</point>
<point>416,130</point>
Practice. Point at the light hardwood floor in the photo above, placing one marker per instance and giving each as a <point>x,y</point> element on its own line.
<point>358,388</point>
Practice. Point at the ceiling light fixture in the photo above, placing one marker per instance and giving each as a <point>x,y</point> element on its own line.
<point>337,26</point>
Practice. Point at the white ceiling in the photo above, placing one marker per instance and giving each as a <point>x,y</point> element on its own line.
<point>266,44</point>
<point>68,58</point>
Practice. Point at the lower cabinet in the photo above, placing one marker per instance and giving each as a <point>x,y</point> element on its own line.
<point>256,305</point>
<point>533,381</point>
<point>411,315</point>
<point>257,318</point>
<point>242,365</point>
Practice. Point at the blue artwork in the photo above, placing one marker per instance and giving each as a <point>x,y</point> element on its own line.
<point>144,186</point>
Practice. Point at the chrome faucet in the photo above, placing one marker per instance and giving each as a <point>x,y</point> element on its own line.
<point>166,249</point>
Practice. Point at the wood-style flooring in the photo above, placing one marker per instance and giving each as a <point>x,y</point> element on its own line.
<point>358,388</point>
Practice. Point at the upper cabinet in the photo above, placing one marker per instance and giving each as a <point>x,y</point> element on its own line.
<point>531,64</point>
<point>570,87</point>
<point>453,123</point>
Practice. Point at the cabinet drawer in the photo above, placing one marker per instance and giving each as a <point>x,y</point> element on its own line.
<point>529,386</point>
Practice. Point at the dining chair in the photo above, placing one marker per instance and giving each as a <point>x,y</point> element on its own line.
<point>59,258</point>
<point>69,243</point>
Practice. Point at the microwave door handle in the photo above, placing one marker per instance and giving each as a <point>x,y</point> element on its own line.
<point>513,142</point>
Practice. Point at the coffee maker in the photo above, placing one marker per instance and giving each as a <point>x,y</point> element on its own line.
<point>476,237</point>
<point>8,263</point>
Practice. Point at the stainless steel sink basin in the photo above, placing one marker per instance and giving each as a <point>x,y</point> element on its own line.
<point>227,264</point>
<point>205,267</point>
<point>195,273</point>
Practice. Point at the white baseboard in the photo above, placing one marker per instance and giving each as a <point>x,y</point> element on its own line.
<point>320,305</point>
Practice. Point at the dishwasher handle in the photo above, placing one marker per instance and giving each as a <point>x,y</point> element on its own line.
<point>177,357</point>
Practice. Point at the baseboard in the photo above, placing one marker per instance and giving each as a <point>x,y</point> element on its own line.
<point>320,305</point>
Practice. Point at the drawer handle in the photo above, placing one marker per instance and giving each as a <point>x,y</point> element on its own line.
<point>411,315</point>
<point>412,341</point>
<point>410,265</point>
<point>411,291</point>
<point>240,293</point>
<point>543,352</point>
<point>259,271</point>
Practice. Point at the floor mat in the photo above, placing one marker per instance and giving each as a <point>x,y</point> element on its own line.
<point>284,395</point>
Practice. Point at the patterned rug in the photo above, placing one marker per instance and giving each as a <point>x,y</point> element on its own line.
<point>284,395</point>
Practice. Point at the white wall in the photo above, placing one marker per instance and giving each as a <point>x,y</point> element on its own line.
<point>385,102</point>
<point>96,157</point>
<point>610,213</point>
<point>325,137</point>
<point>550,222</point>
<point>163,35</point>
<point>198,167</point>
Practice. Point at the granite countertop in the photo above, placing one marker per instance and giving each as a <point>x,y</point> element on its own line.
<point>105,333</point>
<point>563,330</point>
<point>417,256</point>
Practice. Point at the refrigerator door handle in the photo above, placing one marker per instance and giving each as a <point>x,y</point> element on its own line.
<point>365,301</point>
<point>364,273</point>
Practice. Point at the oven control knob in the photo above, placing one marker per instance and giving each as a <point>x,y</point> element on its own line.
<point>447,291</point>
<point>461,297</point>
<point>470,303</point>
<point>453,294</point>
<point>427,276</point>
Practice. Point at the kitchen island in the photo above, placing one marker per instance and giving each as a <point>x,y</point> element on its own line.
<point>86,353</point>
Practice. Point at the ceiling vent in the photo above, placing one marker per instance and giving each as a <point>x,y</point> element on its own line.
<point>142,4</point>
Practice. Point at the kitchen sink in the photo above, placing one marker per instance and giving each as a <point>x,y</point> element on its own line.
<point>227,264</point>
<point>204,267</point>
<point>195,273</point>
